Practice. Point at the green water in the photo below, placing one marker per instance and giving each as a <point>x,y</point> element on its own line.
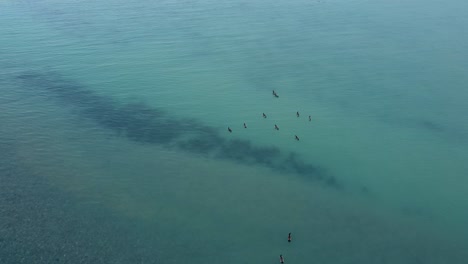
<point>114,145</point>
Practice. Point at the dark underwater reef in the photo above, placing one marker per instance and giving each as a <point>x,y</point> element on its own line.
<point>144,124</point>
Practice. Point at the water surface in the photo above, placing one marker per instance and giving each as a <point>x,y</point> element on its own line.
<point>114,144</point>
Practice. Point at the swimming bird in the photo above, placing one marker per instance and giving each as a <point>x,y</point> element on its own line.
<point>297,113</point>
<point>289,237</point>
<point>264,116</point>
<point>245,126</point>
<point>281,259</point>
<point>297,138</point>
<point>275,94</point>
<point>310,118</point>
<point>276,127</point>
<point>230,130</point>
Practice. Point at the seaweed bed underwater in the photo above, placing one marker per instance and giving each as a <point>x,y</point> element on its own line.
<point>141,123</point>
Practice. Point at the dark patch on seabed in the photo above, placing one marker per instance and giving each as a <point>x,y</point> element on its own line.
<point>414,122</point>
<point>145,124</point>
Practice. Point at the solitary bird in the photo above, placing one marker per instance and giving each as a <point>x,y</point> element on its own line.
<point>264,116</point>
<point>297,113</point>
<point>230,130</point>
<point>289,237</point>
<point>281,259</point>
<point>276,127</point>
<point>297,138</point>
<point>245,126</point>
<point>275,94</point>
<point>310,118</point>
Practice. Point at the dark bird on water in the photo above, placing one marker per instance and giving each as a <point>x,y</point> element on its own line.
<point>264,116</point>
<point>230,130</point>
<point>275,94</point>
<point>281,259</point>
<point>297,138</point>
<point>289,237</point>
<point>276,127</point>
<point>310,118</point>
<point>297,113</point>
<point>245,126</point>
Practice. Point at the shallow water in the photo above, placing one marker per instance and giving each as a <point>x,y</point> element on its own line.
<point>114,145</point>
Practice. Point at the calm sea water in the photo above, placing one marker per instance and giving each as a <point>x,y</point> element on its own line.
<point>114,145</point>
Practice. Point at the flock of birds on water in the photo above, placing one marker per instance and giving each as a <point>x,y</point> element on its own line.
<point>276,127</point>
<point>281,258</point>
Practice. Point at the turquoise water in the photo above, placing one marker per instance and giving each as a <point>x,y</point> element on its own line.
<point>114,145</point>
